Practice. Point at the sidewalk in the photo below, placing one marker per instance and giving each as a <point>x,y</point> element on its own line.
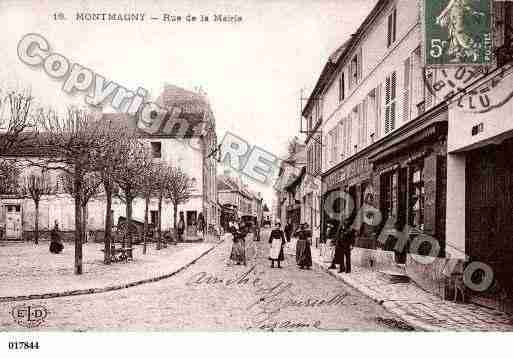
<point>415,306</point>
<point>28,271</point>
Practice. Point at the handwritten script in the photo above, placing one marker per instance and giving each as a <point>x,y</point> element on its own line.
<point>271,299</point>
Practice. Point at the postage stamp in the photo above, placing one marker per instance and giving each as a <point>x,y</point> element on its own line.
<point>458,32</point>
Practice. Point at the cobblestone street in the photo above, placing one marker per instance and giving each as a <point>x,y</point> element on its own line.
<point>212,295</point>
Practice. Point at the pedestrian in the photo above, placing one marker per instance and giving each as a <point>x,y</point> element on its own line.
<point>181,227</point>
<point>238,253</point>
<point>201,225</point>
<point>277,241</point>
<point>303,251</point>
<point>288,230</point>
<point>345,241</point>
<point>257,231</point>
<point>56,245</point>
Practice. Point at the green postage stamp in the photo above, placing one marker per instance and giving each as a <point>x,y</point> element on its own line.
<point>458,32</point>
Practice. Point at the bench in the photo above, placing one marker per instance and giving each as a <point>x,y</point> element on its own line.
<point>120,254</point>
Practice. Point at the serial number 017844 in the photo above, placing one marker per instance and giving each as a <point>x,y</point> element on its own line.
<point>23,345</point>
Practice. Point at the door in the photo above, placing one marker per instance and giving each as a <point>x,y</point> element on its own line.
<point>191,223</point>
<point>13,221</point>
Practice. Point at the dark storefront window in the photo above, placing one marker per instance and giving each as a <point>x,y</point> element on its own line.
<point>389,193</point>
<point>417,197</point>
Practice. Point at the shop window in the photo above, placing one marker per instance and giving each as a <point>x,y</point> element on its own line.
<point>417,197</point>
<point>389,195</point>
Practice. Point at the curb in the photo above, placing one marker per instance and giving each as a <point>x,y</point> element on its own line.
<point>416,324</point>
<point>108,288</point>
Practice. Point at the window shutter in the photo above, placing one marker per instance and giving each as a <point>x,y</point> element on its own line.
<point>341,140</point>
<point>364,121</point>
<point>389,31</point>
<point>360,64</point>
<point>377,120</point>
<point>387,104</point>
<point>428,96</point>
<point>406,90</point>
<point>393,109</point>
<point>394,25</point>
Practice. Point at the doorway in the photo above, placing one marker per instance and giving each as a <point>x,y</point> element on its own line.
<point>13,225</point>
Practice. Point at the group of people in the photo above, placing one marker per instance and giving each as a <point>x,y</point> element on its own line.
<point>277,240</point>
<point>344,237</point>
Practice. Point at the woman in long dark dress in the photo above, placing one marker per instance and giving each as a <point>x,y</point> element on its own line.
<point>238,254</point>
<point>277,241</point>
<point>56,245</point>
<point>303,251</point>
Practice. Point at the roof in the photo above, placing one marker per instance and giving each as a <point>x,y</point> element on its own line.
<point>190,102</point>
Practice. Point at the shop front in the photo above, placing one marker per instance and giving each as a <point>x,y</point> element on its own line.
<point>345,189</point>
<point>409,178</point>
<point>480,180</point>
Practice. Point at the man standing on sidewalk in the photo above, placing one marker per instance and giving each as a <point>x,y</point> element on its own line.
<point>345,242</point>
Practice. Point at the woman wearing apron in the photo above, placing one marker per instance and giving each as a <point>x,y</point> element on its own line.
<point>277,241</point>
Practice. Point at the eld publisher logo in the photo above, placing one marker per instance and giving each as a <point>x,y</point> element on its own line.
<point>29,316</point>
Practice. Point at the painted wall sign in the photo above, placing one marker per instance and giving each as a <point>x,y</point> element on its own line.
<point>457,32</point>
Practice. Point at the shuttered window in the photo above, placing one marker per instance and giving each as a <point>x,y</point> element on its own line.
<point>392,27</point>
<point>378,120</point>
<point>406,90</point>
<point>341,87</point>
<point>390,102</point>
<point>428,96</point>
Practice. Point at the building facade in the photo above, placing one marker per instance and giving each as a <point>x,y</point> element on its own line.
<point>394,138</point>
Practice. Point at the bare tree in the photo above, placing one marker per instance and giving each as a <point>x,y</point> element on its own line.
<point>179,189</point>
<point>75,142</point>
<point>17,127</point>
<point>91,186</point>
<point>17,120</point>
<point>149,188</point>
<point>36,186</point>
<point>117,148</point>
<point>129,176</point>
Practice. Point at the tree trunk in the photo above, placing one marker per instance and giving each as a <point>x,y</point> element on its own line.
<point>84,221</point>
<point>36,224</point>
<point>146,205</point>
<point>108,224</point>
<point>159,228</point>
<point>78,222</point>
<point>175,214</point>
<point>129,220</point>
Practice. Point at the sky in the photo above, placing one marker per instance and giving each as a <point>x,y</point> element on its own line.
<point>252,71</point>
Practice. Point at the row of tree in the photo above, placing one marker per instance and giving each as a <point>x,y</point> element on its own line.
<point>93,157</point>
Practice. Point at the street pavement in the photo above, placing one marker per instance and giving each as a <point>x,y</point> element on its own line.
<point>211,294</point>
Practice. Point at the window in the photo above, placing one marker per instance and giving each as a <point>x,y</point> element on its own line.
<point>341,87</point>
<point>156,149</point>
<point>334,144</point>
<point>389,194</point>
<point>354,70</point>
<point>406,90</point>
<point>318,109</point>
<point>154,217</point>
<point>417,197</point>
<point>390,102</point>
<point>391,31</point>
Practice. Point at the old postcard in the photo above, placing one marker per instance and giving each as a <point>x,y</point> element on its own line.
<point>327,166</point>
